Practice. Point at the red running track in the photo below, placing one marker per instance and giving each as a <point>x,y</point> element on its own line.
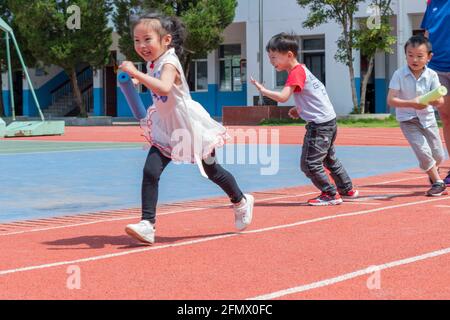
<point>291,251</point>
<point>287,134</point>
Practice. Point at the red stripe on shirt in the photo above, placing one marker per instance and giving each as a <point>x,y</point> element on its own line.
<point>296,78</point>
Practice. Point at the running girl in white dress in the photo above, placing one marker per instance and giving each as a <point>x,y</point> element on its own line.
<point>177,127</point>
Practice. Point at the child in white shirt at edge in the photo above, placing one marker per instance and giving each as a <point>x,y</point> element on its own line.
<point>417,121</point>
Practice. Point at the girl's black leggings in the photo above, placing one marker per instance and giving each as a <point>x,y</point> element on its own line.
<point>154,166</point>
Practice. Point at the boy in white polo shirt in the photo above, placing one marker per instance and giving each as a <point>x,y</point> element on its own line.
<point>417,121</point>
<point>314,106</point>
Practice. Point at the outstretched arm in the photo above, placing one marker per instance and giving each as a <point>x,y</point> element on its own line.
<point>279,96</point>
<point>160,86</point>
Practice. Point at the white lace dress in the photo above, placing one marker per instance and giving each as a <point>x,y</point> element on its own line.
<point>177,125</point>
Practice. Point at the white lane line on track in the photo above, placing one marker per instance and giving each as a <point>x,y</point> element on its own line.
<point>180,211</point>
<point>160,214</point>
<point>186,243</point>
<point>351,275</point>
<point>361,202</point>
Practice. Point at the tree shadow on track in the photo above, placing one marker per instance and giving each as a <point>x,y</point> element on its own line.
<point>362,197</point>
<point>91,242</point>
<point>396,186</point>
<point>120,242</point>
<point>282,204</point>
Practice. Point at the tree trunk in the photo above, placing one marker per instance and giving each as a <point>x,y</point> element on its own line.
<point>351,71</point>
<point>77,94</point>
<point>364,84</point>
<point>348,38</point>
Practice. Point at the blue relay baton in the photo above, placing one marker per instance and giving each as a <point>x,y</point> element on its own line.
<point>132,97</point>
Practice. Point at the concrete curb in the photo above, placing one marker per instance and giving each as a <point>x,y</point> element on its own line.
<point>71,121</point>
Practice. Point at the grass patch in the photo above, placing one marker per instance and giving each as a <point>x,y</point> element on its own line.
<point>282,122</point>
<point>389,122</point>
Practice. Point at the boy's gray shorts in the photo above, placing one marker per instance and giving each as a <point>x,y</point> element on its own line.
<point>425,142</point>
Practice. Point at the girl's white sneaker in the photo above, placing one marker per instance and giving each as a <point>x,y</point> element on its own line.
<point>243,212</point>
<point>143,231</point>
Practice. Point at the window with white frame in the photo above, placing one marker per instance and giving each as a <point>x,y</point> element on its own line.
<point>281,77</point>
<point>198,75</point>
<point>230,67</point>
<point>312,54</point>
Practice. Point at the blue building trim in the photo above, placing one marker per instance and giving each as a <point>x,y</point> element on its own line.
<point>236,98</point>
<point>29,107</point>
<point>358,89</point>
<point>380,96</point>
<point>6,103</point>
<point>214,100</point>
<point>43,95</point>
<point>98,101</point>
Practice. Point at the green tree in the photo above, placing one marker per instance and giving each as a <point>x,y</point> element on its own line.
<point>342,12</point>
<point>121,18</point>
<point>6,15</point>
<point>44,23</point>
<point>373,37</point>
<point>205,21</point>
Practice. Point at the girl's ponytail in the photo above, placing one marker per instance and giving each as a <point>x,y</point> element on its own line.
<point>178,31</point>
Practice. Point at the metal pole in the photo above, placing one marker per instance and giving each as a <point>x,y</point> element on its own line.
<point>27,76</point>
<point>261,49</point>
<point>11,89</point>
<point>400,32</point>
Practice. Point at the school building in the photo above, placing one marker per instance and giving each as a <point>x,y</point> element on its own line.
<point>222,78</point>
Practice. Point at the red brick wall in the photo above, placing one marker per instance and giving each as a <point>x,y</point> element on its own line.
<point>252,115</point>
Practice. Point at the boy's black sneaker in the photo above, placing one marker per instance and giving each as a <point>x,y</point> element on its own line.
<point>437,189</point>
<point>326,199</point>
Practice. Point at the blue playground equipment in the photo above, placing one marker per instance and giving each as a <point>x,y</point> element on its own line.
<point>24,128</point>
